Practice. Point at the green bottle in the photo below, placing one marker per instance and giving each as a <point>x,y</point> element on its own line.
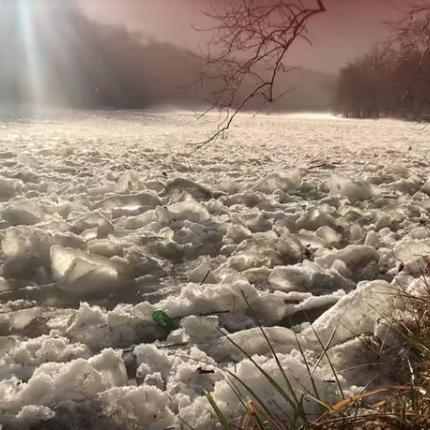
<point>163,320</point>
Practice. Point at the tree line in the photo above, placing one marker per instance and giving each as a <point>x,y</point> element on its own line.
<point>393,80</point>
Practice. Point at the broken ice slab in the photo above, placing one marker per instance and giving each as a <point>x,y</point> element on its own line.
<point>24,250</point>
<point>355,314</point>
<point>284,181</point>
<point>94,220</point>
<point>414,254</point>
<point>9,188</point>
<point>190,210</point>
<point>316,218</point>
<point>83,274</point>
<point>355,191</point>
<point>22,212</point>
<point>358,259</point>
<point>308,277</point>
<point>129,201</point>
<point>130,181</point>
<point>177,186</point>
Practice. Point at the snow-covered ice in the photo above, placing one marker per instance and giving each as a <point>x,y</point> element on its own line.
<point>301,222</point>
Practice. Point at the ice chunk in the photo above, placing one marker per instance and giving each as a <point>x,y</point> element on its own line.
<point>418,233</point>
<point>195,299</point>
<point>105,247</point>
<point>203,273</point>
<point>94,220</point>
<point>82,274</point>
<point>145,407</point>
<point>138,221</point>
<point>199,414</point>
<point>29,416</point>
<point>201,330</point>
<point>330,236</point>
<point>310,241</point>
<point>21,360</point>
<point>355,314</point>
<point>356,233</point>
<point>129,181</point>
<point>10,188</point>
<point>258,252</point>
<point>357,258</point>
<point>227,298</point>
<point>316,218</point>
<point>4,285</point>
<point>413,254</point>
<point>295,369</point>
<point>261,252</point>
<point>308,277</point>
<point>22,212</point>
<point>25,249</point>
<point>254,221</point>
<point>145,264</point>
<point>355,191</point>
<point>398,170</point>
<point>426,188</point>
<point>154,360</point>
<point>98,328</point>
<point>383,221</point>
<point>178,185</point>
<point>29,321</point>
<point>407,186</point>
<point>257,275</point>
<point>189,210</point>
<point>131,201</point>
<point>68,240</point>
<point>224,347</point>
<point>52,383</point>
<point>290,249</point>
<point>284,181</point>
<point>111,367</point>
<point>237,233</point>
<point>372,239</point>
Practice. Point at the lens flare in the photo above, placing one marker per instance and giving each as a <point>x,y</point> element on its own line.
<point>32,59</point>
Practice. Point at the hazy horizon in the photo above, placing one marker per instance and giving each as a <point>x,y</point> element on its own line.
<point>96,56</point>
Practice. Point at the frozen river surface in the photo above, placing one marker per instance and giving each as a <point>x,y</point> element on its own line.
<point>106,218</point>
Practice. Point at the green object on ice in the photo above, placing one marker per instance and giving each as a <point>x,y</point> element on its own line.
<point>163,320</point>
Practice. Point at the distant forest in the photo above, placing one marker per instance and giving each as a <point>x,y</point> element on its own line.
<point>57,56</point>
<point>393,80</point>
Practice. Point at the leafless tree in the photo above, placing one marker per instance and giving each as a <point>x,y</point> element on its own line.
<point>411,40</point>
<point>366,87</point>
<point>394,78</point>
<point>251,39</point>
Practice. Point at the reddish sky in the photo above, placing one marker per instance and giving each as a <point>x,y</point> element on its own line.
<point>348,29</point>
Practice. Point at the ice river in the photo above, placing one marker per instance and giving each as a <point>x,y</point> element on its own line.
<point>132,259</point>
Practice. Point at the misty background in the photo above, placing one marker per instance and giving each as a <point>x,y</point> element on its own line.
<point>141,53</point>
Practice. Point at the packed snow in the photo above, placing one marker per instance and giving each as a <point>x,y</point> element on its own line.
<point>308,226</point>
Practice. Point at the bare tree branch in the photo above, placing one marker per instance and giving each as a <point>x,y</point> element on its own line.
<point>248,51</point>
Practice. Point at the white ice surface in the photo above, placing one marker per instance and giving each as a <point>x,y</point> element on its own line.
<point>107,217</point>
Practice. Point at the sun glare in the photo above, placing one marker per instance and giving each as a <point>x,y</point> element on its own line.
<point>26,26</point>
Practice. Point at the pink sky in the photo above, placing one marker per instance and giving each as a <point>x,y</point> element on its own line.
<point>347,30</point>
